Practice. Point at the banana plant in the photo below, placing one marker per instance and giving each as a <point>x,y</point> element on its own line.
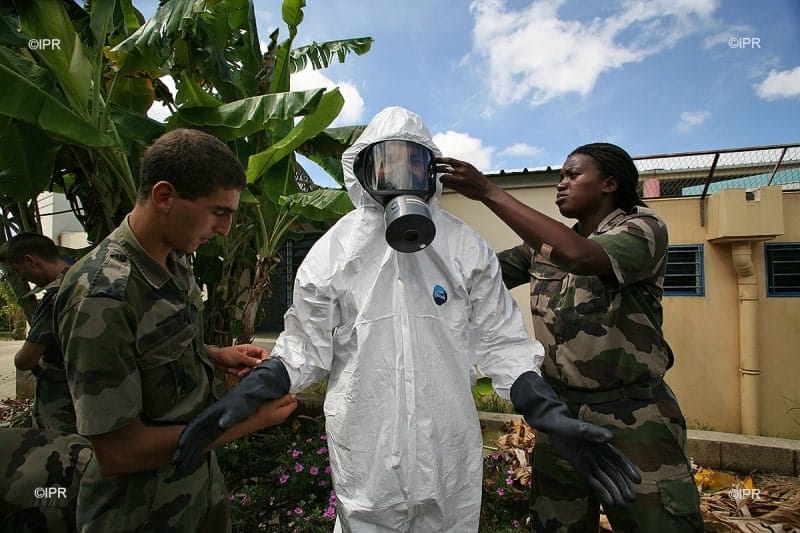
<point>73,120</point>
<point>229,88</point>
<point>68,122</point>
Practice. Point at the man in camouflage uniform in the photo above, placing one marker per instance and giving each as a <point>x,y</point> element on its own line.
<point>40,472</point>
<point>129,317</point>
<point>36,259</point>
<point>596,303</point>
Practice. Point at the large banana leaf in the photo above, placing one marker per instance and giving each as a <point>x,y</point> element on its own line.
<point>190,94</point>
<point>68,60</point>
<point>326,149</point>
<point>24,100</point>
<point>9,36</point>
<point>320,54</point>
<point>244,117</point>
<point>328,109</point>
<point>319,205</point>
<point>27,157</point>
<point>151,45</point>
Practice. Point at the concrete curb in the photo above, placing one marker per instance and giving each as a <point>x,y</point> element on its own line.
<point>745,453</point>
<point>717,450</point>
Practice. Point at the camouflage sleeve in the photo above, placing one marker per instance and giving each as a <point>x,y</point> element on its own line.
<point>41,331</point>
<point>99,351</point>
<point>637,247</point>
<point>515,264</point>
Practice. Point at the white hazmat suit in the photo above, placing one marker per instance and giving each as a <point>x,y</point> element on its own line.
<point>400,336</point>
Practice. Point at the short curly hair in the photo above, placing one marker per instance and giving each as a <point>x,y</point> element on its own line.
<point>193,161</point>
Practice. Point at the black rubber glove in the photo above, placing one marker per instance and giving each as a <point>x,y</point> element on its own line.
<point>267,381</point>
<point>586,446</point>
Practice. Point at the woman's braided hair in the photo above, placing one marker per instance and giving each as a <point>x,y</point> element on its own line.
<point>614,161</point>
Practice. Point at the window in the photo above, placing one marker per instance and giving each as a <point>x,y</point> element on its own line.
<point>783,268</point>
<point>282,282</point>
<point>684,276</point>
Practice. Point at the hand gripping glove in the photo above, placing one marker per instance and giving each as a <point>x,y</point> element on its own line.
<point>267,381</point>
<point>586,446</point>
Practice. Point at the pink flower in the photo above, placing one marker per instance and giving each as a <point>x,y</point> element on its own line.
<point>322,450</point>
<point>298,511</point>
<point>313,471</point>
<point>515,523</point>
<point>509,481</point>
<point>323,437</point>
<point>296,453</point>
<point>327,469</point>
<point>330,512</point>
<point>298,467</point>
<point>284,478</point>
<point>501,492</point>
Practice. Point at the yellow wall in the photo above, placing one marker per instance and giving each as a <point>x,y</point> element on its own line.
<point>703,331</point>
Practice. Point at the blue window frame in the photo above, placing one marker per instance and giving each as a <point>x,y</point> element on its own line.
<point>783,268</point>
<point>684,275</point>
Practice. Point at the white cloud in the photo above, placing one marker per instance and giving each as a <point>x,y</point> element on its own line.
<point>780,84</point>
<point>692,119</point>
<point>463,146</point>
<point>534,55</point>
<point>353,108</point>
<point>724,37</point>
<point>521,149</point>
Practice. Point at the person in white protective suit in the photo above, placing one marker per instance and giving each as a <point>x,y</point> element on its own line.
<point>400,334</point>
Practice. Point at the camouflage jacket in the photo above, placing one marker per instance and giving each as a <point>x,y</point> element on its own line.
<point>40,472</point>
<point>52,405</point>
<point>601,333</point>
<point>132,338</point>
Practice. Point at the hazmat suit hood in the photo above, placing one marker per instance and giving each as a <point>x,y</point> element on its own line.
<point>393,123</point>
<point>402,338</point>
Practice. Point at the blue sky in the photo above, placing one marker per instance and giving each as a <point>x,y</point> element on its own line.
<point>511,84</point>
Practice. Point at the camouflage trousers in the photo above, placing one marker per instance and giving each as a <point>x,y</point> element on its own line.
<point>40,472</point>
<point>652,433</point>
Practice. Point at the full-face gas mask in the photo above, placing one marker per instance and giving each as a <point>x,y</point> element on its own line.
<point>401,176</point>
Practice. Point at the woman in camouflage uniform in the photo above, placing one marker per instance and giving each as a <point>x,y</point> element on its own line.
<point>596,293</point>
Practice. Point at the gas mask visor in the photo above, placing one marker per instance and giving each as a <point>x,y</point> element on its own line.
<point>391,168</point>
<point>401,176</point>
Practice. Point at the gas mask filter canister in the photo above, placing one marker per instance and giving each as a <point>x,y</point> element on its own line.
<point>409,227</point>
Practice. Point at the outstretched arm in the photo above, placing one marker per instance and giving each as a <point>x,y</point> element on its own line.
<point>567,249</point>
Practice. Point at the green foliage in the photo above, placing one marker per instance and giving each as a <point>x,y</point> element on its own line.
<point>12,318</point>
<point>279,480</point>
<point>486,399</point>
<point>73,120</point>
<point>503,495</point>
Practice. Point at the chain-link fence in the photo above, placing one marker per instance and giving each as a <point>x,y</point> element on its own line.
<point>702,173</point>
